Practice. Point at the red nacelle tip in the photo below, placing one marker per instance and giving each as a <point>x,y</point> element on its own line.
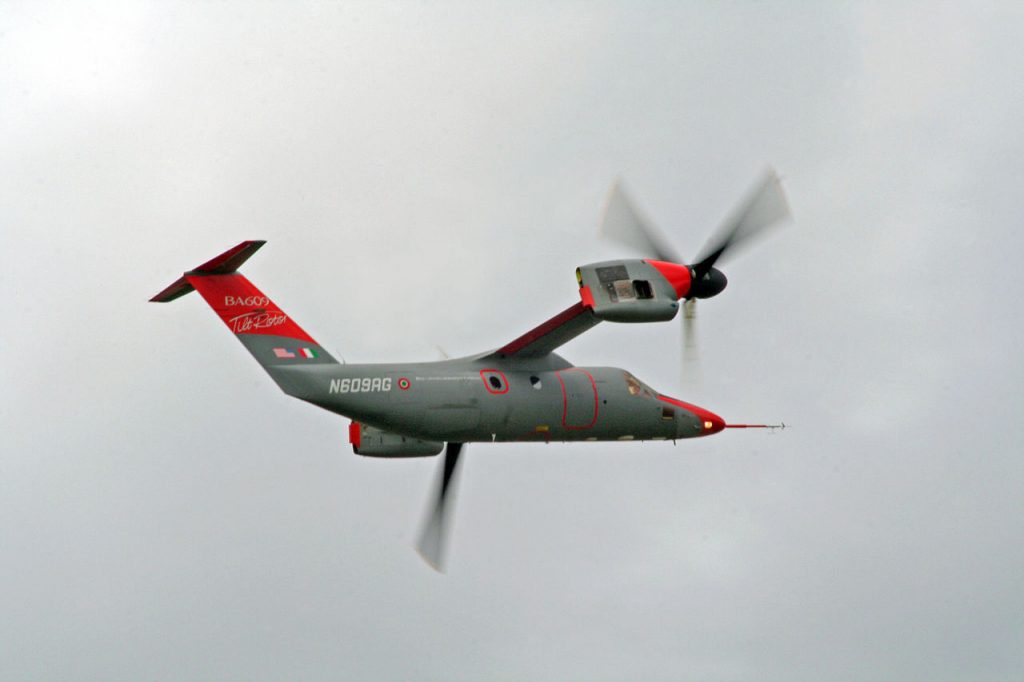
<point>677,275</point>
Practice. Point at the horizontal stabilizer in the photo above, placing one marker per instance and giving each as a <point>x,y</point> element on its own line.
<point>224,264</point>
<point>176,290</point>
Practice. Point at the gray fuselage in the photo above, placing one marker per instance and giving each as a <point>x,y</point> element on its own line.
<point>484,399</point>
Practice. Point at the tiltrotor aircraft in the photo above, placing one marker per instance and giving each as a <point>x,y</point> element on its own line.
<point>523,391</point>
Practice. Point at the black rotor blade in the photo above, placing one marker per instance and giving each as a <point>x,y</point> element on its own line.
<point>624,223</point>
<point>765,206</point>
<point>433,537</point>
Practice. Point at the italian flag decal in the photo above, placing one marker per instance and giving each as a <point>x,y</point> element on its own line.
<point>301,352</point>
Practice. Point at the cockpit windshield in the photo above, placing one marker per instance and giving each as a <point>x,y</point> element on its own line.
<point>637,387</point>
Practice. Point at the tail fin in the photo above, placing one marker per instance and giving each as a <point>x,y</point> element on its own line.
<point>273,338</point>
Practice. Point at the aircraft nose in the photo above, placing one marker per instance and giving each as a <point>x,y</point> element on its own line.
<point>702,422</point>
<point>712,423</point>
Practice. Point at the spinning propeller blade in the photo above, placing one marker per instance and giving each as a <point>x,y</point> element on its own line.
<point>433,537</point>
<point>622,222</point>
<point>765,206</point>
<point>762,208</point>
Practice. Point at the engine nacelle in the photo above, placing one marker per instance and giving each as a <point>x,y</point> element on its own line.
<point>633,290</point>
<point>371,442</point>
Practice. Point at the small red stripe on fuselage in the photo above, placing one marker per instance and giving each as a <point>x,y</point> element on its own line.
<point>540,331</point>
<point>355,435</point>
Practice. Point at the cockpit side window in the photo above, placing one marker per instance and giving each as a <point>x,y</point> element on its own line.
<point>636,387</point>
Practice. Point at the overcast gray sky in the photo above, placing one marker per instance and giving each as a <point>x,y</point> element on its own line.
<point>432,174</point>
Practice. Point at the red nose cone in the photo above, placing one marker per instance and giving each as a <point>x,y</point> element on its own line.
<point>711,423</point>
<point>677,275</point>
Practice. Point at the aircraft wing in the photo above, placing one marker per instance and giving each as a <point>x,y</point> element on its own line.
<point>544,338</point>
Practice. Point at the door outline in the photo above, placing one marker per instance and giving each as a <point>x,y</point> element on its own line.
<point>565,399</point>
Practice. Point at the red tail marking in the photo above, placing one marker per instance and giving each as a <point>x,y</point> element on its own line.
<point>244,308</point>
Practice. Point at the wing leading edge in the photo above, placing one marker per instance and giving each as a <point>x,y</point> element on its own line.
<point>544,338</point>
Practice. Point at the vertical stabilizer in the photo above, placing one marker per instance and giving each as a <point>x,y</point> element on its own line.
<point>273,337</point>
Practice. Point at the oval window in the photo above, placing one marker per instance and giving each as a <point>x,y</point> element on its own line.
<point>494,381</point>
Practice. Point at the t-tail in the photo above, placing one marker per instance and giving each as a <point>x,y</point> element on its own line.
<point>273,338</point>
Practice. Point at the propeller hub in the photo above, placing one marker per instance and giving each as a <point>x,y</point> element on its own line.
<point>711,283</point>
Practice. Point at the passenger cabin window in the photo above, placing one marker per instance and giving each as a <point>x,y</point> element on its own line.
<point>494,381</point>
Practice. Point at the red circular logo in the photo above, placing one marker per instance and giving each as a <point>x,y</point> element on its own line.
<point>404,384</point>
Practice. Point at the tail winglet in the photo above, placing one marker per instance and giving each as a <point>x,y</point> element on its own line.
<point>224,264</point>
